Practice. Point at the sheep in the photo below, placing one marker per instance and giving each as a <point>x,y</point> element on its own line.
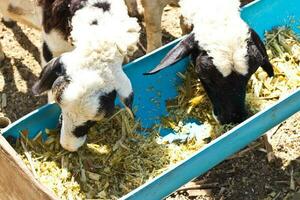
<point>53,18</point>
<point>225,52</point>
<point>85,81</point>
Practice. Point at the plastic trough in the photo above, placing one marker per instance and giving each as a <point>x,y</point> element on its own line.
<point>152,91</point>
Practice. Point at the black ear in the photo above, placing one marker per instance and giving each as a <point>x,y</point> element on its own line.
<point>49,74</point>
<point>181,50</point>
<point>258,54</point>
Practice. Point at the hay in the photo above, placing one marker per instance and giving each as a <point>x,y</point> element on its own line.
<point>116,159</point>
<point>283,48</point>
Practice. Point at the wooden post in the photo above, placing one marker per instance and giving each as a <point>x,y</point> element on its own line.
<point>16,181</point>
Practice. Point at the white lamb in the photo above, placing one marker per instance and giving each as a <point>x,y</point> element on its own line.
<point>85,81</point>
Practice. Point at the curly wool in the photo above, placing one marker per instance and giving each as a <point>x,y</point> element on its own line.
<point>112,29</point>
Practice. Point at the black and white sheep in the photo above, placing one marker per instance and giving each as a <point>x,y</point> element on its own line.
<point>86,81</point>
<point>225,53</point>
<point>54,17</point>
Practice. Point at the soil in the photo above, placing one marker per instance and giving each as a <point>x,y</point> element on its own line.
<point>247,175</point>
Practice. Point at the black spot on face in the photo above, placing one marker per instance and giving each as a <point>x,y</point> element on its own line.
<point>107,103</point>
<point>105,6</point>
<point>82,130</point>
<point>47,54</point>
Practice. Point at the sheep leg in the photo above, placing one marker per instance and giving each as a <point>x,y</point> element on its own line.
<point>266,141</point>
<point>269,148</point>
<point>132,8</point>
<point>152,13</point>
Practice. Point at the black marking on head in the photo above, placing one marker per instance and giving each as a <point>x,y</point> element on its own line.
<point>257,55</point>
<point>59,86</point>
<point>105,6</point>
<point>47,54</point>
<point>107,103</point>
<point>49,74</point>
<point>227,94</point>
<point>94,22</point>
<point>82,130</point>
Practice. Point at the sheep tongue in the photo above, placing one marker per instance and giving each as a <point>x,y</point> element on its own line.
<point>181,50</point>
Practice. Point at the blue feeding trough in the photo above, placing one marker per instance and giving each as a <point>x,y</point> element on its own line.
<point>151,92</point>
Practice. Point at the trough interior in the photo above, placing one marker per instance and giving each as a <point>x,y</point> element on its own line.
<point>261,15</point>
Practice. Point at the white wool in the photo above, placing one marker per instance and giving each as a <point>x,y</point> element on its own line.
<point>102,39</point>
<point>82,93</point>
<point>220,31</point>
<point>115,28</point>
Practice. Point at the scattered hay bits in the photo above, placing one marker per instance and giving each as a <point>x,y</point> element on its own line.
<point>116,159</point>
<point>283,48</point>
<point>100,170</point>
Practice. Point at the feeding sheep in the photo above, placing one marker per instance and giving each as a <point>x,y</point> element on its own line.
<point>86,81</point>
<point>225,53</point>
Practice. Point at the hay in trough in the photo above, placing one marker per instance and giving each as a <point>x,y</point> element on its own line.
<point>116,159</point>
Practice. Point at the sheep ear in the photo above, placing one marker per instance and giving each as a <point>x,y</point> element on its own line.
<point>181,50</point>
<point>49,74</point>
<point>259,52</point>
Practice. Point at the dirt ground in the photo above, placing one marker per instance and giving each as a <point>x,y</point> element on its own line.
<point>246,175</point>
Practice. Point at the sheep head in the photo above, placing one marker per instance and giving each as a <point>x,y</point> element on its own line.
<point>226,92</point>
<point>85,96</point>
